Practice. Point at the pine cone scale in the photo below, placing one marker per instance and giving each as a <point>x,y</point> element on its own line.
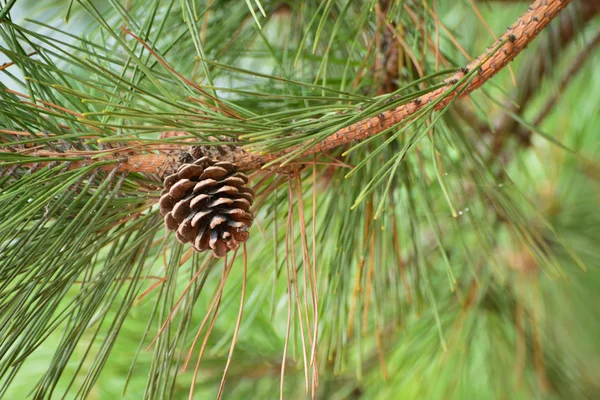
<point>187,230</point>
<point>180,188</point>
<point>225,190</point>
<point>202,185</point>
<point>189,171</point>
<point>181,210</point>
<point>213,173</point>
<point>217,220</point>
<point>220,202</point>
<point>235,181</point>
<point>197,219</point>
<point>198,200</point>
<point>242,203</point>
<point>170,222</point>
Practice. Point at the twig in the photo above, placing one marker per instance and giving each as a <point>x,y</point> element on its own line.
<point>8,64</point>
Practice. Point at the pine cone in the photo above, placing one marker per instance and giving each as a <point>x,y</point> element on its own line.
<point>208,204</point>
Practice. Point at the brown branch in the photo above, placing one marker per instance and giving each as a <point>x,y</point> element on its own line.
<point>514,40</point>
<point>508,125</point>
<point>590,2</point>
<point>539,65</point>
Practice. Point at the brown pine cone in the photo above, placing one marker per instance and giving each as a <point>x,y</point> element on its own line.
<point>208,204</point>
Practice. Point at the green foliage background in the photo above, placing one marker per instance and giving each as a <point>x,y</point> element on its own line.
<point>512,279</point>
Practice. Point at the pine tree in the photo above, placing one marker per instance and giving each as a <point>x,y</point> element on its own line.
<point>324,199</point>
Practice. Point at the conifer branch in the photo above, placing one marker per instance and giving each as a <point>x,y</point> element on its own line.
<point>488,64</point>
<point>530,79</point>
<point>516,38</point>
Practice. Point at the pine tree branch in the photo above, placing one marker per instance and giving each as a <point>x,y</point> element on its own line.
<point>531,78</point>
<point>515,39</point>
<point>488,64</point>
<point>590,2</point>
<point>510,125</point>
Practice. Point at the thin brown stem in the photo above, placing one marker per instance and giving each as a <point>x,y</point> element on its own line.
<point>8,64</point>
